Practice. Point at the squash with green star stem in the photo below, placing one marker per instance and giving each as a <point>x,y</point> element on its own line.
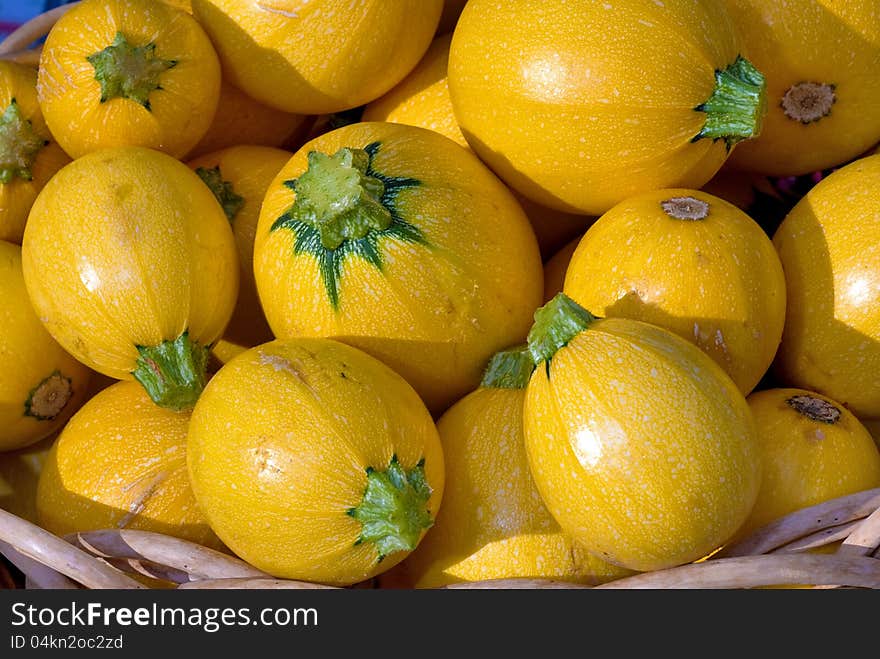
<point>598,101</point>
<point>239,177</point>
<point>641,446</point>
<point>314,461</point>
<point>398,241</point>
<point>131,265</point>
<point>29,156</point>
<point>128,72</point>
<point>41,385</point>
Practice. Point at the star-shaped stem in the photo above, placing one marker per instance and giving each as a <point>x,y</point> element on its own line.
<point>19,145</point>
<point>126,71</point>
<point>343,209</point>
<point>394,509</point>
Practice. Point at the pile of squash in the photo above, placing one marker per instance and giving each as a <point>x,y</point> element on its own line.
<point>441,292</point>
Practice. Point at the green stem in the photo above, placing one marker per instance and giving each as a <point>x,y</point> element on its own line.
<point>735,110</point>
<point>394,510</point>
<point>336,197</point>
<point>173,372</point>
<point>126,71</point>
<point>223,191</point>
<point>19,145</point>
<point>509,369</point>
<point>556,323</point>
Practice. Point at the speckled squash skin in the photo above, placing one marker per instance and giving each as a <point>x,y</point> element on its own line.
<point>642,448</point>
<point>121,463</point>
<point>493,523</point>
<point>41,385</point>
<point>829,42</point>
<point>593,102</point>
<point>715,281</point>
<point>278,449</point>
<point>422,99</point>
<point>804,460</point>
<point>248,170</point>
<point>178,112</point>
<point>829,245</point>
<point>320,56</point>
<point>241,120</point>
<point>19,82</point>
<point>127,247</point>
<point>441,303</point>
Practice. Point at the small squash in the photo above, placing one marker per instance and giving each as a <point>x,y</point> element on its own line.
<point>131,265</point>
<point>241,120</point>
<point>400,242</point>
<point>239,177</point>
<point>829,245</point>
<point>121,463</point>
<point>693,264</point>
<point>579,104</point>
<point>821,59</point>
<point>320,56</point>
<point>641,446</point>
<point>493,523</point>
<point>29,156</point>
<point>41,385</point>
<point>314,461</point>
<point>128,72</point>
<point>812,450</point>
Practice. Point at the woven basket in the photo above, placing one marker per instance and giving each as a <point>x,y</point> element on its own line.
<point>778,554</point>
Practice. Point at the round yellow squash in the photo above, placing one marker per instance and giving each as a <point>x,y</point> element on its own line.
<point>121,463</point>
<point>128,72</point>
<point>693,264</point>
<point>314,461</point>
<point>829,245</point>
<point>641,446</point>
<point>29,156</point>
<point>241,120</point>
<point>422,99</point>
<point>131,265</point>
<point>821,59</point>
<point>319,56</point>
<point>41,385</point>
<point>579,104</point>
<point>493,523</point>
<point>812,450</point>
<point>398,241</point>
<point>239,177</point>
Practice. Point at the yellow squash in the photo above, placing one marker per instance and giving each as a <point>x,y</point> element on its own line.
<point>493,523</point>
<point>812,450</point>
<point>555,268</point>
<point>398,241</point>
<point>422,99</point>
<point>314,461</point>
<point>642,448</point>
<point>131,265</point>
<point>580,104</point>
<point>693,264</point>
<point>319,56</point>
<point>821,59</point>
<point>829,245</point>
<point>240,120</point>
<point>41,385</point>
<point>239,177</point>
<point>29,156</point>
<point>128,72</point>
<point>121,463</point>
